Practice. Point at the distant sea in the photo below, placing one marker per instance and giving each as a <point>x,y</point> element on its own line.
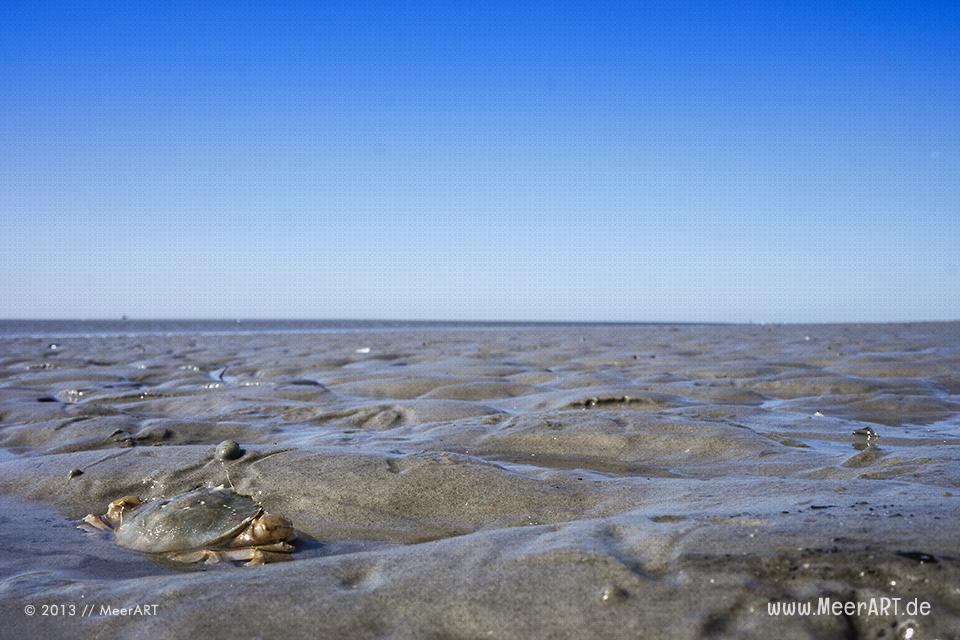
<point>81,328</point>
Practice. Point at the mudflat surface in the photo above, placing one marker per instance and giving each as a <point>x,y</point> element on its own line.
<point>504,482</point>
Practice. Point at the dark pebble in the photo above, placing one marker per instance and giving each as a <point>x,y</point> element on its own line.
<point>228,450</point>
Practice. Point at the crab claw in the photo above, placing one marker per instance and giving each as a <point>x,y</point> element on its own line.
<point>118,507</point>
<point>264,529</point>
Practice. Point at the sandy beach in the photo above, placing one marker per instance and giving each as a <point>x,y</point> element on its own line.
<point>493,482</point>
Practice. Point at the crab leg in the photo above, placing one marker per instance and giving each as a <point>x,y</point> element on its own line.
<point>261,554</point>
<point>256,555</point>
<point>282,547</point>
<point>94,524</point>
<point>206,556</point>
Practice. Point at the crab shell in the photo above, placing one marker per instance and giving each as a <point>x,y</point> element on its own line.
<point>202,525</point>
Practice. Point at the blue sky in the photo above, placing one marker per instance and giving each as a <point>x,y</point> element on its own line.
<point>603,161</point>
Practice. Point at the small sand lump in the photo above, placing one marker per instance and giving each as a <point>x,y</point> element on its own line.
<point>228,450</point>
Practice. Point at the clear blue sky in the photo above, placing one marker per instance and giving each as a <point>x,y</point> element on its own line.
<point>639,161</point>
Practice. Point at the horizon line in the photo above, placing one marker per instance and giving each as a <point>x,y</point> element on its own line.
<point>427,321</point>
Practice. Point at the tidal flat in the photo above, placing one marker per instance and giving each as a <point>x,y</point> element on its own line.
<point>454,481</point>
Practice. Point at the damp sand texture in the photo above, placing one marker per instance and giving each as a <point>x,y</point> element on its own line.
<point>493,482</point>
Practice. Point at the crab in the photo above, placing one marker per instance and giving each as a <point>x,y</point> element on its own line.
<point>204,525</point>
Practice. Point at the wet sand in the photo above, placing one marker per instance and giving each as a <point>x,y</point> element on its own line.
<point>495,482</point>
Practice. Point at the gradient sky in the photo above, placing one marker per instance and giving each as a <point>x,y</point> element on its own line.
<point>638,161</point>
